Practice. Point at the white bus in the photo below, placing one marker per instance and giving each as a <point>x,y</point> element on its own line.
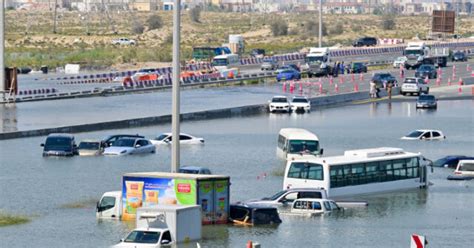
<point>226,61</point>
<point>359,172</point>
<point>297,143</point>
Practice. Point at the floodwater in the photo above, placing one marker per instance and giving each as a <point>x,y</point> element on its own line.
<point>57,113</point>
<point>244,148</point>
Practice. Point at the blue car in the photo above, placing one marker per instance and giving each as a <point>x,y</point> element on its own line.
<point>288,74</point>
<point>450,161</point>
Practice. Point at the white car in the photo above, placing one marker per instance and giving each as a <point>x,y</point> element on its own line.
<point>424,134</point>
<point>465,168</point>
<point>90,148</point>
<point>126,146</point>
<point>313,206</point>
<point>124,41</point>
<point>414,85</point>
<point>300,103</point>
<point>184,139</point>
<point>399,61</point>
<point>146,238</point>
<point>280,104</point>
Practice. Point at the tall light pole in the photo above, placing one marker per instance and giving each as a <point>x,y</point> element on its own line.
<point>175,89</point>
<point>2,48</point>
<point>54,15</point>
<point>320,23</point>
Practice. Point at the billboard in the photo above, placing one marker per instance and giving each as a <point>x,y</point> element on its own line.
<point>443,21</point>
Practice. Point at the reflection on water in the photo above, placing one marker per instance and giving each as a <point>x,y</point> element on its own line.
<point>8,112</point>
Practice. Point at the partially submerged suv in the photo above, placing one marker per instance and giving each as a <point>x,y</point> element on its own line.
<point>287,196</point>
<point>59,144</point>
<point>414,85</point>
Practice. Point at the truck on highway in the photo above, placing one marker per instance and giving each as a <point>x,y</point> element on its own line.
<point>317,62</point>
<point>149,189</point>
<point>419,53</point>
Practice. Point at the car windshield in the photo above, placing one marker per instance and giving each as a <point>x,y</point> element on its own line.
<point>143,237</point>
<point>304,146</point>
<point>162,137</point>
<point>124,142</point>
<point>89,145</point>
<point>279,99</point>
<point>304,100</point>
<point>385,76</point>
<point>426,98</point>
<point>189,171</point>
<point>414,134</point>
<point>425,68</point>
<point>57,143</point>
<point>275,196</point>
<point>458,54</point>
<point>410,81</point>
<point>442,161</point>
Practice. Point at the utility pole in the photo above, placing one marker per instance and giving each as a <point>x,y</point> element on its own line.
<point>320,23</point>
<point>175,88</point>
<point>2,49</point>
<point>54,15</point>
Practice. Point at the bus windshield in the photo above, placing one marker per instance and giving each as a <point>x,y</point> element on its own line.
<point>220,62</point>
<point>413,52</point>
<point>303,170</point>
<point>313,59</point>
<point>304,146</point>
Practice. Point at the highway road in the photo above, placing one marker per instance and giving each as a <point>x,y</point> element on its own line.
<point>44,114</point>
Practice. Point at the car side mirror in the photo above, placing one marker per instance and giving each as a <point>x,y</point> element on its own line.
<point>137,145</point>
<point>321,151</point>
<point>166,140</point>
<point>165,242</point>
<point>74,145</point>
<point>122,240</point>
<point>42,144</point>
<point>423,137</point>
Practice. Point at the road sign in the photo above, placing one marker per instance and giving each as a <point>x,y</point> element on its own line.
<point>443,21</point>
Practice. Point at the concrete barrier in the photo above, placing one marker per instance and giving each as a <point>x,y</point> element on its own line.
<point>320,101</point>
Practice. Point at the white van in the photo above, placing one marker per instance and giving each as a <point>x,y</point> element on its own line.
<point>297,142</point>
<point>225,61</point>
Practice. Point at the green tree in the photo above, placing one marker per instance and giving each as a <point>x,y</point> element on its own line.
<point>279,27</point>
<point>154,22</point>
<point>196,14</point>
<point>388,22</point>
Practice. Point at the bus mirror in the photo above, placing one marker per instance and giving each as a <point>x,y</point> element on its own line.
<point>321,151</point>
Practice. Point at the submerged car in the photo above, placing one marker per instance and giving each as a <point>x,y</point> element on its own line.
<point>194,170</point>
<point>288,74</point>
<point>146,237</point>
<point>279,104</point>
<point>184,139</point>
<point>109,140</point>
<point>126,146</point>
<point>424,134</point>
<point>59,144</point>
<point>300,104</point>
<point>90,148</point>
<point>426,101</point>
<point>426,71</point>
<point>287,67</point>
<point>250,215</point>
<point>450,161</point>
<point>286,197</point>
<point>313,206</point>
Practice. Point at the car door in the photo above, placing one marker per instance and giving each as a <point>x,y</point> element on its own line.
<point>139,147</point>
<point>426,135</point>
<point>184,139</point>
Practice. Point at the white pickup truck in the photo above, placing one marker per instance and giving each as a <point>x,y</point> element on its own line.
<point>124,41</point>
